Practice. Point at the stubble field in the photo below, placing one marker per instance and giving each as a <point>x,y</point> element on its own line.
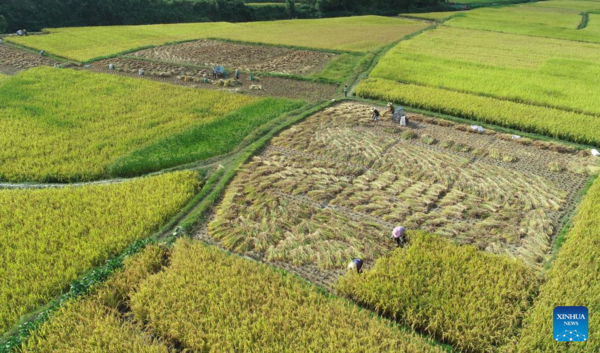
<point>333,187</point>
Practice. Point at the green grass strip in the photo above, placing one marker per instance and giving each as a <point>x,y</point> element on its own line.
<point>203,141</point>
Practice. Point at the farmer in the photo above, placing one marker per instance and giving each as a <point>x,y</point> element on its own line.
<point>356,264</point>
<point>398,236</point>
<point>345,90</point>
<point>391,110</point>
<point>375,116</point>
<point>214,73</point>
<point>237,74</point>
<point>25,32</point>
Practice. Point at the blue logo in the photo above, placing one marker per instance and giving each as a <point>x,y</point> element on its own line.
<point>571,324</point>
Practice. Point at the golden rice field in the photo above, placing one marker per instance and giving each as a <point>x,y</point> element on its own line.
<point>358,34</point>
<point>67,125</point>
<point>538,72</point>
<point>573,279</point>
<point>96,322</point>
<point>457,294</point>
<point>51,236</point>
<point>490,251</point>
<point>571,126</point>
<point>239,305</point>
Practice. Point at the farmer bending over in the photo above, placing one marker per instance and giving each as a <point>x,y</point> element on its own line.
<point>356,264</point>
<point>398,236</point>
<point>391,110</point>
<point>375,115</point>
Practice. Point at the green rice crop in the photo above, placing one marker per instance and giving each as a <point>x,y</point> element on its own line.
<point>557,123</point>
<point>340,68</point>
<point>360,34</point>
<point>537,71</point>
<point>573,280</point>
<point>530,20</point>
<point>204,141</point>
<point>67,125</point>
<point>214,302</point>
<point>572,5</point>
<point>458,294</point>
<point>51,236</point>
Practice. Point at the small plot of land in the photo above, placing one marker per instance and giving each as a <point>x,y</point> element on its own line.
<point>359,34</point>
<point>13,60</point>
<point>333,187</point>
<point>263,86</point>
<point>244,56</point>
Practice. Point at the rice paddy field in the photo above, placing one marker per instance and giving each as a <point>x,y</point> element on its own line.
<point>78,126</point>
<point>259,309</point>
<point>171,211</point>
<point>52,236</point>
<point>356,34</point>
<point>332,188</point>
<point>453,283</point>
<point>543,21</point>
<point>538,72</point>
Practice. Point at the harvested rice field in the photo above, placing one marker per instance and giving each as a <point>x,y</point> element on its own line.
<point>263,86</point>
<point>246,57</point>
<point>332,188</point>
<point>14,60</point>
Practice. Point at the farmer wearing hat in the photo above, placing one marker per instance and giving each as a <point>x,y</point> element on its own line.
<point>391,110</point>
<point>356,264</point>
<point>375,115</point>
<point>398,236</point>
